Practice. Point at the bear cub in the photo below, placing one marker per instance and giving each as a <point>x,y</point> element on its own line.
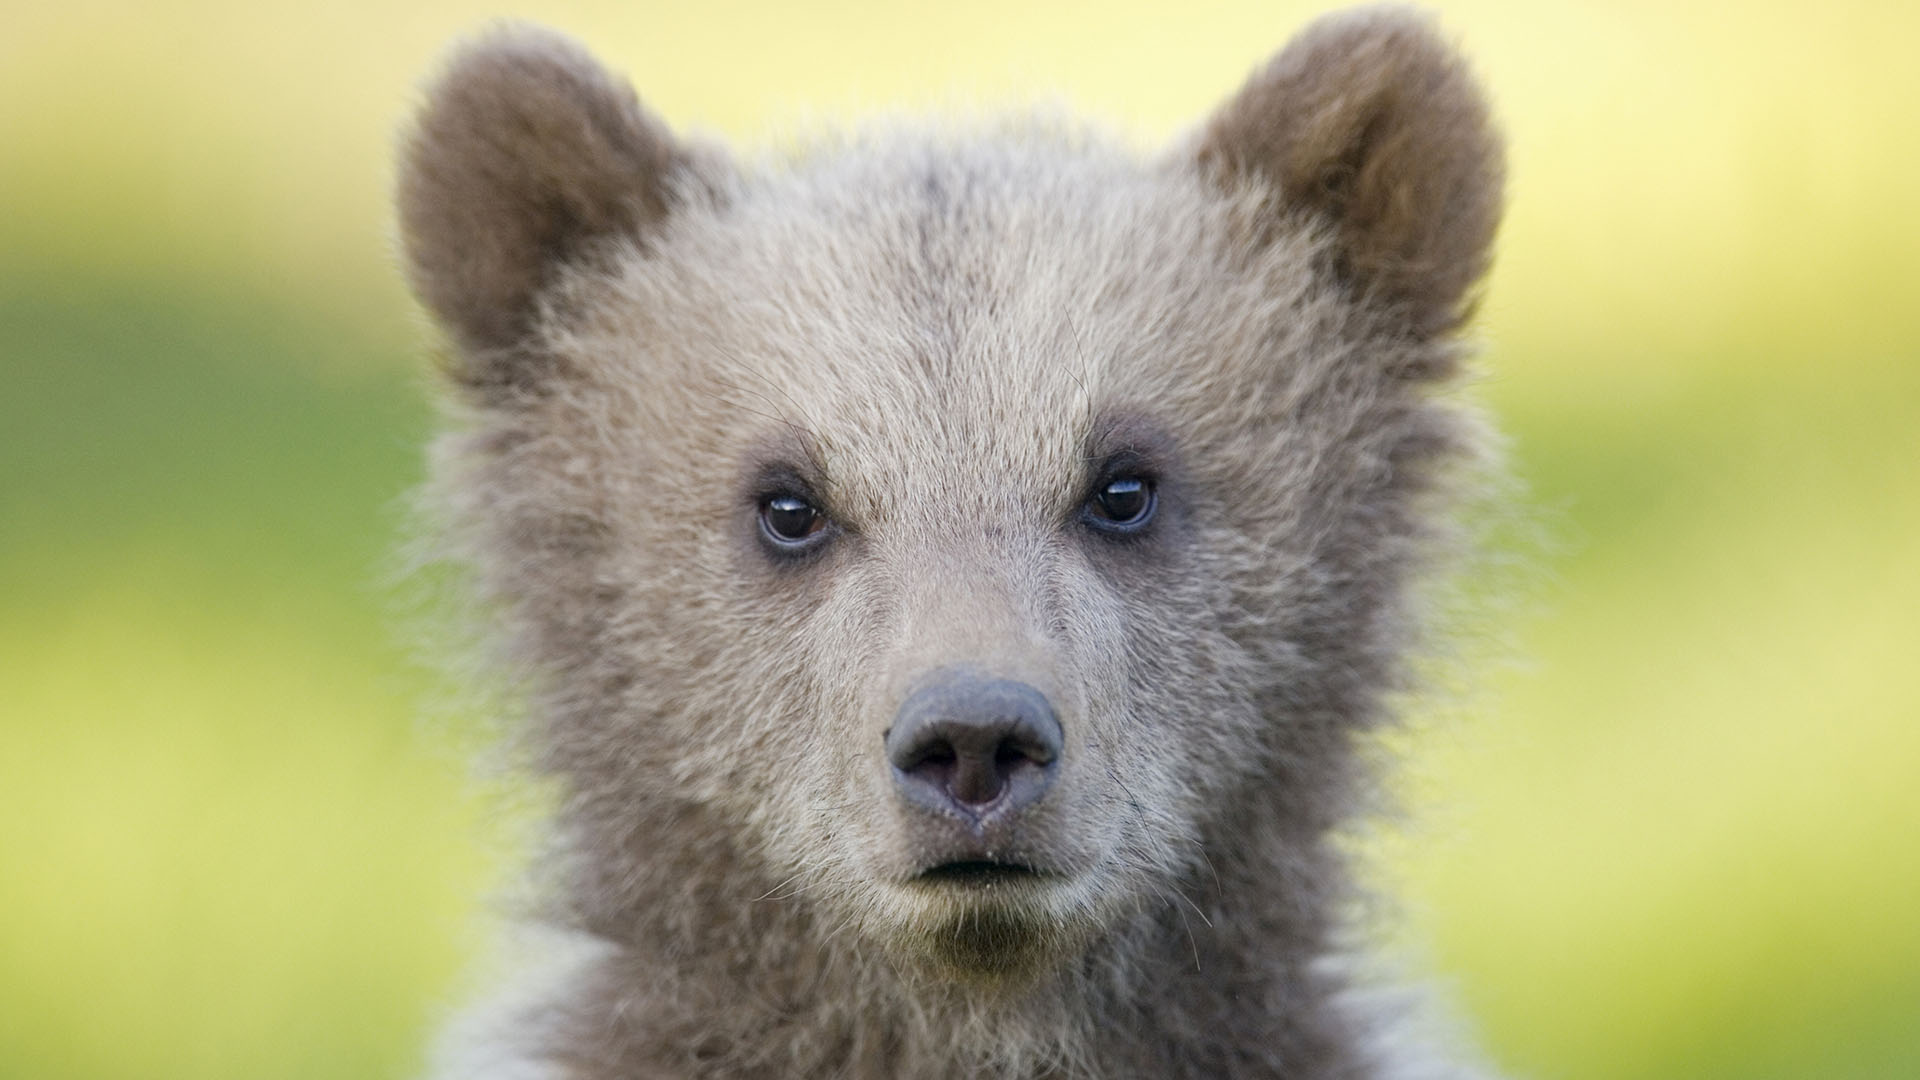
<point>954,576</point>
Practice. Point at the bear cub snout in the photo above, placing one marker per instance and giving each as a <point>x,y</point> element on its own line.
<point>974,749</point>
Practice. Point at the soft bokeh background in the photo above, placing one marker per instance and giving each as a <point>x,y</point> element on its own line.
<point>1676,839</point>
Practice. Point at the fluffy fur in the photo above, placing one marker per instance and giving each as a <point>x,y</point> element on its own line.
<point>942,335</point>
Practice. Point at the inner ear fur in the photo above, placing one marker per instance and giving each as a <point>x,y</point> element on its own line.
<point>525,152</point>
<point>1371,122</point>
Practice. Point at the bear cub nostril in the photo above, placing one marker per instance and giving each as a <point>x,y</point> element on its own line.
<point>974,745</point>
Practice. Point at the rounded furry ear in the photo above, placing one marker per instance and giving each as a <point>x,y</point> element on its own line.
<point>525,152</point>
<point>1370,121</point>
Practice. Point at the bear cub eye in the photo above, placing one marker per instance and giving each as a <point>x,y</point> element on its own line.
<point>791,522</point>
<point>1124,504</point>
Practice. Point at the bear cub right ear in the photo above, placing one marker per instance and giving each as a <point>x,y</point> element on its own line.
<point>526,151</point>
<point>1371,123</point>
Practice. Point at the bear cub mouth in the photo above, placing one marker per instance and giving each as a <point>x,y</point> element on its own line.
<point>978,873</point>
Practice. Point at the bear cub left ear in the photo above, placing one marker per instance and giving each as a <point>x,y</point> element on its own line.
<point>1371,123</point>
<point>526,152</point>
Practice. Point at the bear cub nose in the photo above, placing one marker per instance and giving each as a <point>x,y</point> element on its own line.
<point>974,746</point>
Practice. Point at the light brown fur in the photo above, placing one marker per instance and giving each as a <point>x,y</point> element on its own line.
<point>942,332</point>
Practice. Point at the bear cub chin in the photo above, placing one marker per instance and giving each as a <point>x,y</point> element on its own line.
<point>956,577</point>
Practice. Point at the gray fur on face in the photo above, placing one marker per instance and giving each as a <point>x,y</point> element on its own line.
<point>946,344</point>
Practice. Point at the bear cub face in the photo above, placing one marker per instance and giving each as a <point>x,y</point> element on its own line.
<point>989,546</point>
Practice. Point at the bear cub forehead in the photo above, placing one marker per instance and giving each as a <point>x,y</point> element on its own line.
<point>954,318</point>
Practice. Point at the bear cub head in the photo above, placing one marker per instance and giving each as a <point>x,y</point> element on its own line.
<point>977,555</point>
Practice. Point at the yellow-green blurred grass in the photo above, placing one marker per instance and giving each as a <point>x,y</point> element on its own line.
<point>1683,842</point>
<point>1678,841</point>
<point>225,852</point>
<point>219,869</point>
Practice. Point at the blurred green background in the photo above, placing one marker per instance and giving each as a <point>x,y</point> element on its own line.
<point>1675,839</point>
